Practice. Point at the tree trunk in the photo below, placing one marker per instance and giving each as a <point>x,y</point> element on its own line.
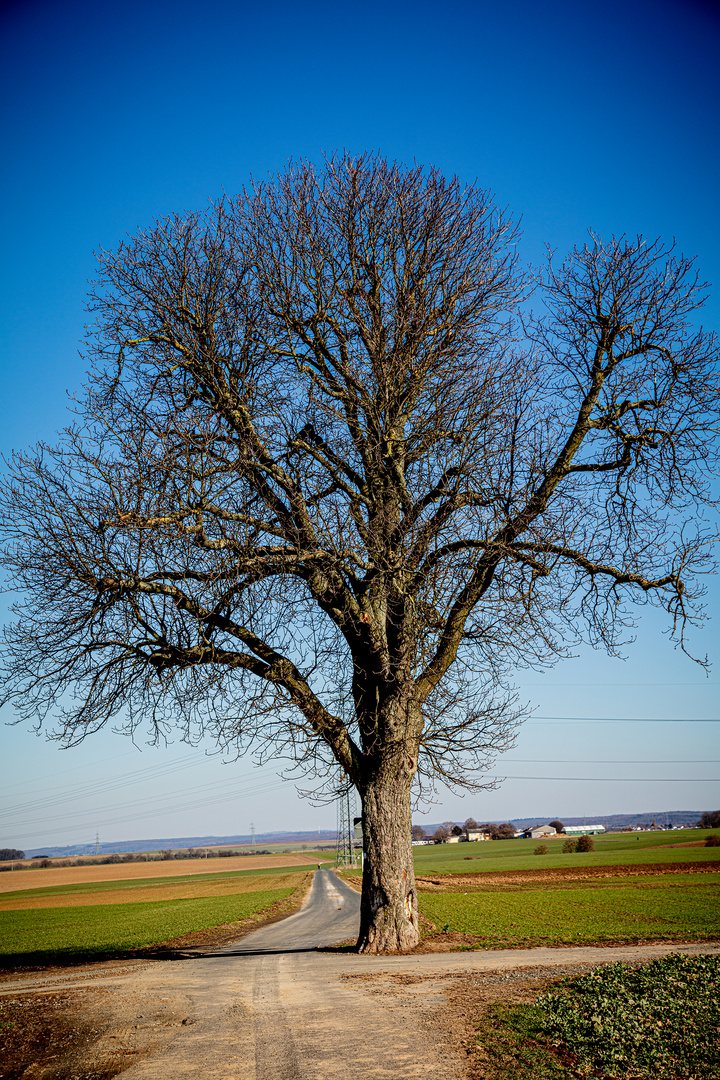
<point>388,908</point>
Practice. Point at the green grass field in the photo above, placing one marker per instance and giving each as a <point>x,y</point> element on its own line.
<point>670,907</point>
<point>685,909</point>
<point>56,935</point>
<point>32,935</point>
<point>506,914</point>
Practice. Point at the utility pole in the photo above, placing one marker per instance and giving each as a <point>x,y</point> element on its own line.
<point>252,834</point>
<point>97,843</point>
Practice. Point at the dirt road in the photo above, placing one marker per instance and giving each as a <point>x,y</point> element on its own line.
<point>272,1007</point>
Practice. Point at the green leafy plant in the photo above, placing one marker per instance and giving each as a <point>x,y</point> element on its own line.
<point>542,849</point>
<point>585,843</point>
<point>659,1021</point>
<point>568,847</point>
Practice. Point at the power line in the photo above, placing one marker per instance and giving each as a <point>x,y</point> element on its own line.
<point>135,776</point>
<point>623,720</point>
<point>74,768</point>
<point>149,801</point>
<point>611,685</point>
<point>597,761</point>
<point>159,811</point>
<point>622,779</point>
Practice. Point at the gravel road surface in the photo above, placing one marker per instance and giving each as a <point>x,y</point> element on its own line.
<point>331,914</point>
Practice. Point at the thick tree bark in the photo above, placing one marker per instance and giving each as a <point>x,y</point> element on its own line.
<point>388,909</point>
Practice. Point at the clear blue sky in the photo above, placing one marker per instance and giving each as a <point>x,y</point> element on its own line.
<point>576,115</point>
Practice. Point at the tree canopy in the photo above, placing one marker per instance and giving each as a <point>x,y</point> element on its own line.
<point>332,482</point>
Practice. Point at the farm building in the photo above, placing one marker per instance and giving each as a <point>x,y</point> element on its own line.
<point>472,835</point>
<point>537,832</point>
<point>581,830</point>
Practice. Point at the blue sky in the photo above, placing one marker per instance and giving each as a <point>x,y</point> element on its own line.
<point>576,115</point>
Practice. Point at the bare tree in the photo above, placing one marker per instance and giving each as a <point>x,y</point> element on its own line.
<point>418,833</point>
<point>324,496</point>
<point>471,823</point>
<point>441,833</point>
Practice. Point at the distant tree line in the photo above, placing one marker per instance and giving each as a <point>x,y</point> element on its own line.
<point>43,861</point>
<point>506,831</point>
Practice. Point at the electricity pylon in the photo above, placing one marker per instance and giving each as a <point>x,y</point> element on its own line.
<point>344,854</point>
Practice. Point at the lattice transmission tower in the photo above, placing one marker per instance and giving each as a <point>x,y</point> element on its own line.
<point>344,853</point>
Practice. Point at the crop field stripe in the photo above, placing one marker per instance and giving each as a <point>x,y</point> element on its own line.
<point>150,882</point>
<point>659,881</point>
<point>67,874</point>
<point>178,889</point>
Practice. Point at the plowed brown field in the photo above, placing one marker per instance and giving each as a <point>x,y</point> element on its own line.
<point>15,881</point>
<point>455,882</point>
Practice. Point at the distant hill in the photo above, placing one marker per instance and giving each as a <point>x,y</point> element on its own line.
<point>686,818</point>
<point>178,842</point>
